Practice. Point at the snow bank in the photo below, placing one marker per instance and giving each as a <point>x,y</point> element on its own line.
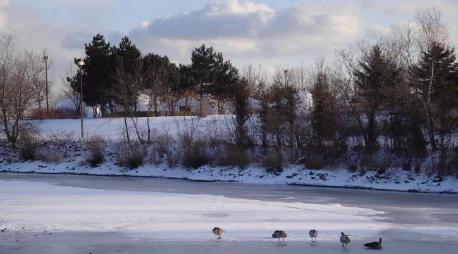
<point>111,129</point>
<point>294,175</point>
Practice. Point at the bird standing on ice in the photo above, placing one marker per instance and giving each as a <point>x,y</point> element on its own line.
<point>344,239</point>
<point>280,235</point>
<point>218,231</point>
<point>313,234</point>
<point>374,245</point>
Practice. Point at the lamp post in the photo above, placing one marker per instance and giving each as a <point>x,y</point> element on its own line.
<point>80,65</point>
<point>286,72</point>
<point>45,59</point>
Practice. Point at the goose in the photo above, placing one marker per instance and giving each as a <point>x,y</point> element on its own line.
<point>313,234</point>
<point>280,235</point>
<point>374,245</point>
<point>344,239</point>
<point>218,231</point>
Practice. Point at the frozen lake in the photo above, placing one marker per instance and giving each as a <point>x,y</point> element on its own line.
<point>91,214</point>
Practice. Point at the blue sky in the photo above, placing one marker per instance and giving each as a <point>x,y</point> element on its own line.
<point>271,33</point>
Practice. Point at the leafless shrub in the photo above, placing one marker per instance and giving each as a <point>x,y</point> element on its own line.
<point>163,147</point>
<point>28,143</point>
<point>131,155</point>
<point>194,153</point>
<point>233,155</point>
<point>95,151</point>
<point>273,163</point>
<point>50,157</point>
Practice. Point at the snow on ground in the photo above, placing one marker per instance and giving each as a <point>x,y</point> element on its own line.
<point>111,129</point>
<point>39,207</point>
<point>294,174</point>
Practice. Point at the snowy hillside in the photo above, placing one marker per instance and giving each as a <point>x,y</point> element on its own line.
<point>111,130</point>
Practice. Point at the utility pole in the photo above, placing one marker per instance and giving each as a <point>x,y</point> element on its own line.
<point>45,59</point>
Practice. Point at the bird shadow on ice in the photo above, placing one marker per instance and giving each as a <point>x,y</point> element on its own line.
<point>282,244</point>
<point>345,250</point>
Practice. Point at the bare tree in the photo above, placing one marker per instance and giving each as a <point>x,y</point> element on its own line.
<point>125,92</point>
<point>343,80</point>
<point>432,29</point>
<point>20,77</point>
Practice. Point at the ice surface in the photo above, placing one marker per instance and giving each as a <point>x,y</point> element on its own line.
<point>81,214</point>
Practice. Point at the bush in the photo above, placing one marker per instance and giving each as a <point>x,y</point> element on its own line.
<point>234,155</point>
<point>273,163</point>
<point>95,151</point>
<point>194,154</point>
<point>38,114</point>
<point>316,162</point>
<point>131,155</point>
<point>28,145</point>
<point>165,148</point>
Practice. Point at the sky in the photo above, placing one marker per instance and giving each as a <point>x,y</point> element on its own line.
<point>267,33</point>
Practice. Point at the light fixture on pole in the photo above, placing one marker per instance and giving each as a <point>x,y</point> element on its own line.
<point>45,59</point>
<point>286,72</point>
<point>80,65</point>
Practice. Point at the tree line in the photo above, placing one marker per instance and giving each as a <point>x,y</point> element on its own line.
<point>119,74</point>
<point>390,103</point>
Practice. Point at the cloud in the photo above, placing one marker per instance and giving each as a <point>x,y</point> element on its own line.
<point>3,15</point>
<point>246,31</point>
<point>377,31</point>
<point>245,28</point>
<point>223,18</point>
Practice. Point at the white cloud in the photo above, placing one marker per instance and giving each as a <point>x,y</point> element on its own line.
<point>245,28</point>
<point>246,31</point>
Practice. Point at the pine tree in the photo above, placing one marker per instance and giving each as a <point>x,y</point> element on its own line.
<point>242,111</point>
<point>212,74</point>
<point>97,73</point>
<point>323,117</point>
<point>377,72</point>
<point>434,79</point>
<point>128,62</point>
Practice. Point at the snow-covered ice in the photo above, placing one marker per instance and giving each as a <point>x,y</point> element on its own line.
<point>172,216</point>
<point>53,213</point>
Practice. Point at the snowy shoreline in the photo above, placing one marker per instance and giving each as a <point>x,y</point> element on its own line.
<point>293,175</point>
<point>63,154</point>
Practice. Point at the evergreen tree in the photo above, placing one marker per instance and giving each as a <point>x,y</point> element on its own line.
<point>128,62</point>
<point>97,73</point>
<point>242,111</point>
<point>434,79</point>
<point>211,73</point>
<point>375,74</point>
<point>323,111</point>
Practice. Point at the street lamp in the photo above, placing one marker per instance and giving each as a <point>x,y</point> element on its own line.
<point>286,72</point>
<point>45,59</point>
<point>80,65</point>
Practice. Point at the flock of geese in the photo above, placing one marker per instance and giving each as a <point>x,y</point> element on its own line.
<point>282,235</point>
